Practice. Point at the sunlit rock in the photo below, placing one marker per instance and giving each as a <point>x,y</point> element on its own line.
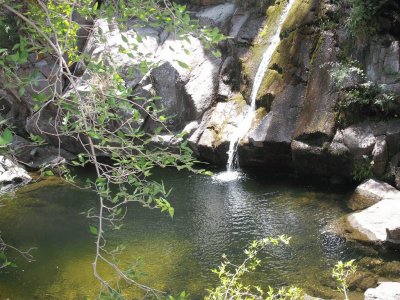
<point>371,192</point>
<point>372,224</point>
<point>385,291</point>
<point>11,175</point>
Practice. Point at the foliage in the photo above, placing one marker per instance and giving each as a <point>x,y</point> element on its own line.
<point>106,119</point>
<point>363,169</point>
<point>342,73</point>
<point>340,272</point>
<point>4,260</point>
<point>360,98</point>
<point>363,18</point>
<point>231,275</point>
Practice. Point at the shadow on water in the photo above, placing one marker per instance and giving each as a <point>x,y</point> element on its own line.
<point>211,218</point>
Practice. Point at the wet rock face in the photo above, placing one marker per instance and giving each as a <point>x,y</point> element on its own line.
<point>317,116</point>
<point>211,140</point>
<point>11,175</point>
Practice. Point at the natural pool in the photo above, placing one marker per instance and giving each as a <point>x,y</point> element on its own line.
<point>211,218</point>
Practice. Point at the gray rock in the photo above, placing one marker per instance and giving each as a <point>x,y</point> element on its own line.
<point>44,123</point>
<point>383,61</point>
<point>11,175</point>
<point>202,72</point>
<point>394,170</point>
<point>239,18</point>
<point>385,291</point>
<point>371,224</point>
<point>36,157</point>
<point>393,236</point>
<point>337,146</point>
<point>393,137</point>
<point>167,86</point>
<point>191,127</point>
<point>270,137</point>
<point>371,192</point>
<point>207,2</point>
<point>220,127</point>
<point>317,118</point>
<point>319,161</point>
<point>359,139</point>
<point>217,16</point>
<point>391,63</point>
<point>281,121</point>
<point>362,280</point>
<point>380,156</point>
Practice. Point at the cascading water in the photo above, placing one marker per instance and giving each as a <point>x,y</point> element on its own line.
<point>231,173</point>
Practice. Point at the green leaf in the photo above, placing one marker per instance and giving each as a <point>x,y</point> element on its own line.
<point>171,211</point>
<point>21,91</point>
<point>93,230</point>
<point>124,38</point>
<point>217,53</point>
<point>182,64</point>
<point>6,137</point>
<point>48,173</point>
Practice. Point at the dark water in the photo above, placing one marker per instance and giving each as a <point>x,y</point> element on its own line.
<point>211,218</point>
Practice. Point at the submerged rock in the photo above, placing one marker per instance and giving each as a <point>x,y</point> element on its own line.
<point>362,280</point>
<point>11,175</point>
<point>385,291</point>
<point>371,192</point>
<point>390,269</point>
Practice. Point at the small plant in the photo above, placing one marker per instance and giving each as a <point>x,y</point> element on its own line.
<point>340,272</point>
<point>360,100</point>
<point>341,73</point>
<point>230,276</point>
<point>363,169</point>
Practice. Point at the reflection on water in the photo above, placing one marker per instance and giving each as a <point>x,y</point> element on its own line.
<point>211,218</point>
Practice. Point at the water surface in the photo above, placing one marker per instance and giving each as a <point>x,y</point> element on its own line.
<point>211,218</point>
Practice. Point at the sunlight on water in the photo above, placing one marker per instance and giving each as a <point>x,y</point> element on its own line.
<point>227,176</point>
<point>211,218</point>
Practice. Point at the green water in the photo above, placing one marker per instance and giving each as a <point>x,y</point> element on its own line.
<point>211,218</point>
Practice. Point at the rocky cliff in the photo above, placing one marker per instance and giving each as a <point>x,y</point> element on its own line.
<point>328,105</point>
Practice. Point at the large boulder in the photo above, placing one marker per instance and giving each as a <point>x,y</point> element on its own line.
<point>385,291</point>
<point>359,139</point>
<point>371,192</point>
<point>180,67</point>
<point>11,175</point>
<point>46,123</point>
<point>36,156</point>
<point>376,224</point>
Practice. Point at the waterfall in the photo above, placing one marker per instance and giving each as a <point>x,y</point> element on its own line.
<point>244,127</point>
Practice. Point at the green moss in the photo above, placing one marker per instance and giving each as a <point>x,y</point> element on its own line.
<point>240,101</point>
<point>318,45</point>
<point>271,78</point>
<point>298,14</point>
<point>282,59</point>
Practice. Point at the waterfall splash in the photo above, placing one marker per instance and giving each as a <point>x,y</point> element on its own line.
<point>232,173</point>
